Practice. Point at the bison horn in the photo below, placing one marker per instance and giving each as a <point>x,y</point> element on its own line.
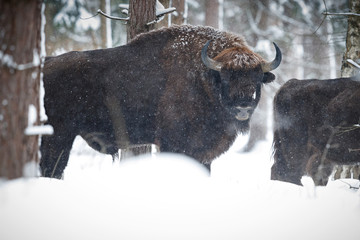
<point>269,66</point>
<point>210,63</point>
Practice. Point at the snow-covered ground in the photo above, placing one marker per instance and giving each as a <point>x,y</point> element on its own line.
<point>171,197</point>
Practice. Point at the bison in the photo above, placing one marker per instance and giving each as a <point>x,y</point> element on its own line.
<point>188,89</point>
<point>316,125</point>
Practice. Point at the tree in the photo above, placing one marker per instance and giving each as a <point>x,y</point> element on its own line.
<point>212,13</point>
<point>105,25</point>
<point>165,22</point>
<point>352,51</point>
<point>141,13</point>
<point>180,16</point>
<point>20,24</point>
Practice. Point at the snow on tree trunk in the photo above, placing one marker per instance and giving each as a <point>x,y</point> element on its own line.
<point>165,22</point>
<point>20,24</point>
<point>352,40</point>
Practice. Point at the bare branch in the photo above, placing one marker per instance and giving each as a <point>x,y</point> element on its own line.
<point>352,62</point>
<point>322,21</point>
<point>162,12</point>
<point>342,14</point>
<point>350,186</point>
<point>106,15</point>
<point>112,17</point>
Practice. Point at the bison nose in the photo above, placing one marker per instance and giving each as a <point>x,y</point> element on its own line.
<point>243,113</point>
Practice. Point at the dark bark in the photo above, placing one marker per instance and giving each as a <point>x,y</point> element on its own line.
<point>352,41</point>
<point>140,13</point>
<point>352,52</point>
<point>180,10</point>
<point>20,24</point>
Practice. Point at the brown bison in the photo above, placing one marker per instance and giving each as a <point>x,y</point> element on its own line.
<point>188,89</point>
<point>316,127</point>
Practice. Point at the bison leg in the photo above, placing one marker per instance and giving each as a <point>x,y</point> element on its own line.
<point>55,152</point>
<point>281,171</point>
<point>319,169</point>
<point>288,165</point>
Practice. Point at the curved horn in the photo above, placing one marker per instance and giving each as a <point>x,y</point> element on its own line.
<point>210,63</point>
<point>269,66</point>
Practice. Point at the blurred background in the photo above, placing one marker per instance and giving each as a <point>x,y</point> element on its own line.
<point>312,44</point>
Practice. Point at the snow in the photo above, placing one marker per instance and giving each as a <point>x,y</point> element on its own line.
<point>163,196</point>
<point>39,130</point>
<point>352,62</point>
<point>31,129</point>
<point>8,60</point>
<point>32,115</point>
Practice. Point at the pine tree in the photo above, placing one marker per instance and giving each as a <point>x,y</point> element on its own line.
<point>20,24</point>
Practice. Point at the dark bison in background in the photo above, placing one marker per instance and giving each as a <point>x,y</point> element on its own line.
<point>188,89</point>
<point>316,126</point>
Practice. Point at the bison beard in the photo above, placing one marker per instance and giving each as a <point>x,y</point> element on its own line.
<point>188,89</point>
<point>315,128</point>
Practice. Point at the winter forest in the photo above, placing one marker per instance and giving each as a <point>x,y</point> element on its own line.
<point>139,192</point>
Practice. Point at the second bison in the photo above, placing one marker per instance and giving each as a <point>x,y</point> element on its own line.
<point>316,126</point>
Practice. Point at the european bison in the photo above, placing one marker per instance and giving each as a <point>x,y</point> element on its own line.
<point>188,89</point>
<point>316,126</point>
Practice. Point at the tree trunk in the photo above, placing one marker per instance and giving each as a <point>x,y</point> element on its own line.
<point>106,40</point>
<point>20,24</point>
<point>165,22</point>
<point>140,13</point>
<point>352,40</point>
<point>352,52</point>
<point>212,13</point>
<point>179,17</point>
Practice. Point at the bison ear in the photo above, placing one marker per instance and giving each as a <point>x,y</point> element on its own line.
<point>268,77</point>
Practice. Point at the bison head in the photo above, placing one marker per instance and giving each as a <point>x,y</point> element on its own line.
<point>239,74</point>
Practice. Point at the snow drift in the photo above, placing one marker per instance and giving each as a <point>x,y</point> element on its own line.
<point>172,197</point>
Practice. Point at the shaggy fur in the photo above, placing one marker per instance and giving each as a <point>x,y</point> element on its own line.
<point>160,87</point>
<point>315,128</point>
